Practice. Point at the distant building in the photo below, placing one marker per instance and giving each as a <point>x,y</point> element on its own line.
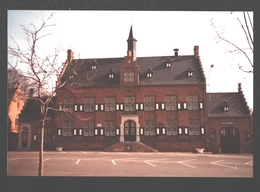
<point>15,105</point>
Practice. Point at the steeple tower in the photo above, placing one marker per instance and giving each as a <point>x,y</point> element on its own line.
<point>131,47</point>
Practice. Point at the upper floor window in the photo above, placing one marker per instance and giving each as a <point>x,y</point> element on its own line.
<point>94,65</point>
<point>129,103</point>
<point>129,76</point>
<point>149,128</point>
<point>110,128</point>
<point>226,106</point>
<point>149,103</point>
<point>68,103</point>
<point>88,128</point>
<point>171,127</point>
<point>168,65</point>
<point>89,105</point>
<point>149,73</point>
<point>68,128</point>
<point>170,102</point>
<point>16,121</point>
<point>194,127</point>
<point>111,74</point>
<point>190,72</point>
<point>110,103</point>
<point>193,103</point>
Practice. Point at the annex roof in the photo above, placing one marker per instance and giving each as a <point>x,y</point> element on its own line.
<point>235,101</point>
<point>175,75</point>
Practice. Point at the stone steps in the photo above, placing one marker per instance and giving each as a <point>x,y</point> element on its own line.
<point>130,147</point>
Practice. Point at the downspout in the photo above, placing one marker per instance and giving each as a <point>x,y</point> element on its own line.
<point>206,117</point>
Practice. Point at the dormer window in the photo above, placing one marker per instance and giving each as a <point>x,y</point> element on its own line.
<point>190,72</point>
<point>226,109</point>
<point>168,63</point>
<point>149,73</point>
<point>226,106</point>
<point>94,65</point>
<point>111,74</point>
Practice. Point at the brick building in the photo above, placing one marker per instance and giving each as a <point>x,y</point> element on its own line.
<point>15,105</point>
<point>230,124</point>
<point>30,125</point>
<point>158,101</point>
<point>135,103</point>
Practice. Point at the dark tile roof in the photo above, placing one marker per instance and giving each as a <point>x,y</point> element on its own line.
<point>31,110</point>
<point>174,75</point>
<point>235,101</point>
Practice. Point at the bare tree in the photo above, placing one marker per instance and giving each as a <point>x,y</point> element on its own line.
<point>41,71</point>
<point>247,28</point>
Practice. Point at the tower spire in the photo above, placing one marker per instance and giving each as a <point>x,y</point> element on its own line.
<point>131,44</point>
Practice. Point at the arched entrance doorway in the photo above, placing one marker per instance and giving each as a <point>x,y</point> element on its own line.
<point>25,137</point>
<point>229,138</point>
<point>130,131</point>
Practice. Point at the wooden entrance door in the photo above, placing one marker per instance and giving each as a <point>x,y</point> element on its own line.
<point>130,131</point>
<point>229,138</point>
<point>25,138</point>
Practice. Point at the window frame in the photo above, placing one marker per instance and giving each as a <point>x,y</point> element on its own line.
<point>110,104</point>
<point>149,103</point>
<point>129,76</point>
<point>194,127</point>
<point>193,102</point>
<point>170,102</point>
<point>89,104</point>
<point>130,104</point>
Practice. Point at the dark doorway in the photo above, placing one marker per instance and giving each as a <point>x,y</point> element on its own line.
<point>25,137</point>
<point>130,131</point>
<point>229,138</point>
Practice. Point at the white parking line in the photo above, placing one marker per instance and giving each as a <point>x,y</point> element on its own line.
<point>78,161</point>
<point>249,163</point>
<point>63,152</point>
<point>12,159</point>
<point>217,163</point>
<point>150,163</point>
<point>182,162</point>
<point>45,160</point>
<point>113,162</point>
<point>156,159</point>
<point>83,152</point>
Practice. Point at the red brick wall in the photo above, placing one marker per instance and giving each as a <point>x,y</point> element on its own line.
<point>243,124</point>
<point>160,116</point>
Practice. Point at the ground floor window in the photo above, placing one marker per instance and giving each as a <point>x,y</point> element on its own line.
<point>88,131</point>
<point>110,128</point>
<point>194,128</point>
<point>48,134</point>
<point>149,128</point>
<point>171,127</point>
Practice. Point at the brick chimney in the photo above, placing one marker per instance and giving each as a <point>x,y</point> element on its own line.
<point>239,88</point>
<point>70,55</point>
<point>196,51</point>
<point>176,52</point>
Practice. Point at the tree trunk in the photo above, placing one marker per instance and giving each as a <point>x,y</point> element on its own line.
<point>40,173</point>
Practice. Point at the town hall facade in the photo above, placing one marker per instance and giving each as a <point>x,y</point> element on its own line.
<point>156,103</point>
